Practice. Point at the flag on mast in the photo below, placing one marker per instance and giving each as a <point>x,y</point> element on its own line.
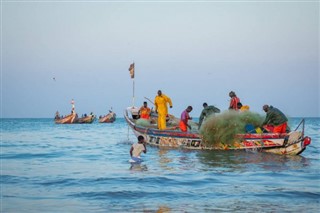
<point>131,70</point>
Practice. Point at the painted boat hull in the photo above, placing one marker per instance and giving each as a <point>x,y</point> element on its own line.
<point>109,118</point>
<point>285,144</point>
<point>86,120</point>
<point>69,119</point>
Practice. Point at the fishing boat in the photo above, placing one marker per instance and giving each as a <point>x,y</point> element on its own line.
<point>292,143</point>
<point>109,118</point>
<point>68,119</point>
<point>86,119</point>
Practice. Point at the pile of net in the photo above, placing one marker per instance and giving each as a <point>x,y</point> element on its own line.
<point>223,128</point>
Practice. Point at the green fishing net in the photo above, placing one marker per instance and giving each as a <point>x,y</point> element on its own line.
<point>143,122</point>
<point>222,128</point>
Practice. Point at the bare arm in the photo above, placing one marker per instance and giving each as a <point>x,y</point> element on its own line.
<point>145,148</point>
<point>131,151</point>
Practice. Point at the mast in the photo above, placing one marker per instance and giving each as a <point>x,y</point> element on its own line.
<point>133,92</point>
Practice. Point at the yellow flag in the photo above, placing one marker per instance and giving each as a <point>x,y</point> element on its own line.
<point>131,70</point>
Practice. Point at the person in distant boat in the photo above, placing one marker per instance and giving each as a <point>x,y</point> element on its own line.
<point>161,102</point>
<point>137,149</point>
<point>57,115</point>
<point>242,108</point>
<point>184,119</point>
<point>206,112</point>
<point>73,107</point>
<point>233,101</point>
<point>144,111</point>
<point>275,120</point>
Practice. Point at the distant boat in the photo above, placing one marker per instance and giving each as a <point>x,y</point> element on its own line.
<point>69,119</point>
<point>86,119</point>
<point>109,118</point>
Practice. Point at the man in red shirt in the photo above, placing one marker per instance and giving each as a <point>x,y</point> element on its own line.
<point>184,119</point>
<point>234,101</point>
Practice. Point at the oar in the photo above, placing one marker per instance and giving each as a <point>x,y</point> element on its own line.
<point>149,100</point>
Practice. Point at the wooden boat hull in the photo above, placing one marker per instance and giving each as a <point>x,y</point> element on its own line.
<point>86,120</point>
<point>109,118</point>
<point>69,119</point>
<point>293,143</point>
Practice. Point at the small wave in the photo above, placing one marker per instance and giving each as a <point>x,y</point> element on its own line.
<point>60,182</point>
<point>126,194</point>
<point>23,156</point>
<point>11,179</point>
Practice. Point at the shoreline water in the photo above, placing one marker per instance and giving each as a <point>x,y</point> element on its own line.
<point>48,167</point>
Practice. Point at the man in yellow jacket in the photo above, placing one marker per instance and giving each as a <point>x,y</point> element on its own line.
<point>161,101</point>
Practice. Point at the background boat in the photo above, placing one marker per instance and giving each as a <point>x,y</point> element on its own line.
<point>68,119</point>
<point>109,118</point>
<point>86,119</point>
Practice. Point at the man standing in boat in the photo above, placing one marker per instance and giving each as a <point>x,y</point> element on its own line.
<point>184,119</point>
<point>276,119</point>
<point>234,101</point>
<point>206,112</point>
<point>161,101</point>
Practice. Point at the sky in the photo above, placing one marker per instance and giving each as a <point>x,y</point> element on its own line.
<point>194,51</point>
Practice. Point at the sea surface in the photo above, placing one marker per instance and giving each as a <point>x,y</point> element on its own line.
<point>48,167</point>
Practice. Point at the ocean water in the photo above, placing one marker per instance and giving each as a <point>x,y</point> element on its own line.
<point>46,167</point>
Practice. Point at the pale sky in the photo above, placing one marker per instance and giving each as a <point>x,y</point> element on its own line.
<point>194,51</point>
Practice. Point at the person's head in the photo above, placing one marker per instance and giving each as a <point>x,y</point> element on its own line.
<point>232,94</point>
<point>204,105</point>
<point>141,138</point>
<point>145,104</point>
<point>265,108</point>
<point>189,108</point>
<point>239,105</point>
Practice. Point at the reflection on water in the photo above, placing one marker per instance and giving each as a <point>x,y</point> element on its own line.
<point>242,160</point>
<point>163,209</point>
<point>138,167</point>
<point>164,160</point>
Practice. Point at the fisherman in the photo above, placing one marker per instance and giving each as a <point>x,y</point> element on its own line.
<point>233,101</point>
<point>161,101</point>
<point>137,149</point>
<point>275,120</point>
<point>57,116</point>
<point>242,108</point>
<point>184,119</point>
<point>144,111</point>
<point>206,112</point>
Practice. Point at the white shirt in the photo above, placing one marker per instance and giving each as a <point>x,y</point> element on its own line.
<point>137,149</point>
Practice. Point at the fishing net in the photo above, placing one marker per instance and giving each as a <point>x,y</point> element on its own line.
<point>143,122</point>
<point>222,128</point>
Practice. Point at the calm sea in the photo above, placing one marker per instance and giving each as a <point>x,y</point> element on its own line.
<point>47,167</point>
